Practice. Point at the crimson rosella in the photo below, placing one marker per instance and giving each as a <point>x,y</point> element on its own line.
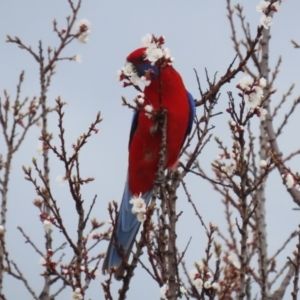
<point>144,146</point>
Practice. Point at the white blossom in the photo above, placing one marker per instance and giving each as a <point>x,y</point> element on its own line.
<point>167,54</point>
<point>193,274</point>
<point>83,39</point>
<point>66,271</point>
<point>140,98</point>
<point>262,112</point>
<point>138,207</point>
<point>215,286</point>
<point>47,226</point>
<point>1,229</point>
<point>275,6</point>
<point>198,283</point>
<point>232,123</point>
<point>128,69</point>
<point>22,112</point>
<point>35,103</point>
<point>266,21</point>
<point>262,6</point>
<point>83,26</point>
<point>145,80</point>
<point>207,285</point>
<point>233,262</point>
<point>164,291</point>
<point>83,30</point>
<point>40,148</point>
<point>134,79</point>
<point>153,53</point>
<point>140,101</point>
<point>252,100</point>
<point>289,180</point>
<point>199,264</point>
<point>147,40</point>
<point>138,204</point>
<point>262,82</point>
<point>246,82</point>
<point>259,91</point>
<point>76,295</point>
<point>195,278</point>
<point>32,106</point>
<point>61,180</point>
<point>42,261</point>
<point>148,109</point>
<point>262,163</point>
<point>228,169</point>
<point>119,73</point>
<point>77,58</point>
<point>183,290</point>
<point>141,217</point>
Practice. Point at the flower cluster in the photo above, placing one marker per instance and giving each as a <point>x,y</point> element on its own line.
<point>138,207</point>
<point>41,148</point>
<point>266,7</point>
<point>83,31</point>
<point>289,180</point>
<point>149,111</point>
<point>91,272</point>
<point>235,127</point>
<point>140,99</point>
<point>77,295</point>
<point>252,90</point>
<point>164,290</point>
<point>47,262</point>
<point>253,94</point>
<point>47,221</point>
<point>200,278</point>
<point>229,169</point>
<point>128,71</point>
<point>229,259</point>
<point>154,53</point>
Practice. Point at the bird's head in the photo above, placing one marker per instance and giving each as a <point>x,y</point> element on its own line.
<point>139,59</point>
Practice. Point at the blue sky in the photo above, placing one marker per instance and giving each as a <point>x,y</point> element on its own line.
<point>198,35</point>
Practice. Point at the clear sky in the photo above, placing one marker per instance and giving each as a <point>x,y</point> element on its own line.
<point>198,34</point>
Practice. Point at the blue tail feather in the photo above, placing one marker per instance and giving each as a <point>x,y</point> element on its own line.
<point>127,228</point>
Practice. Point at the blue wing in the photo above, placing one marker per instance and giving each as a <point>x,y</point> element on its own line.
<point>191,116</point>
<point>192,113</point>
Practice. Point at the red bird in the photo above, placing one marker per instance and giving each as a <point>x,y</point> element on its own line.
<point>144,146</point>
